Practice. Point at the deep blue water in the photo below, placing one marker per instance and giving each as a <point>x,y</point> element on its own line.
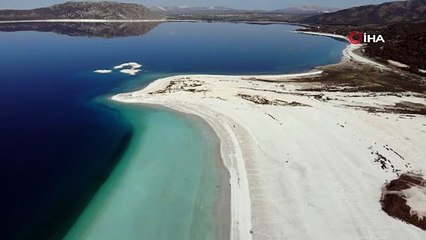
<point>58,142</point>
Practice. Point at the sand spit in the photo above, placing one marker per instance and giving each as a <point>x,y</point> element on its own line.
<point>405,198</point>
<point>350,51</point>
<point>304,163</point>
<point>398,64</point>
<point>324,35</point>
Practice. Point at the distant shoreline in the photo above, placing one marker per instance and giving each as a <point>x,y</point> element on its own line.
<point>349,51</point>
<point>148,20</point>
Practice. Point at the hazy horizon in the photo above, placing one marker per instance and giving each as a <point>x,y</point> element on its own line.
<point>238,4</point>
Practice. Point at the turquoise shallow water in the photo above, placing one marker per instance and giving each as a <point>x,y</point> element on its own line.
<point>165,186</point>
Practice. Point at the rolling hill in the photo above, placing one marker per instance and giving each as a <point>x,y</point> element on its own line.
<point>390,12</point>
<point>80,10</point>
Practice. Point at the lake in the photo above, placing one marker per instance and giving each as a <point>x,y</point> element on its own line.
<point>69,155</point>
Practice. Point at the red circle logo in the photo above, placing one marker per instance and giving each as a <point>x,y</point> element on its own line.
<point>355,37</point>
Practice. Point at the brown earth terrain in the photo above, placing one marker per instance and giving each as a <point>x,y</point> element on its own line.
<point>394,201</point>
<point>404,42</point>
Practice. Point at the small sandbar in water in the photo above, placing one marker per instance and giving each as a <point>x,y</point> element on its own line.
<point>130,68</point>
<point>103,71</point>
<point>133,65</point>
<point>130,71</point>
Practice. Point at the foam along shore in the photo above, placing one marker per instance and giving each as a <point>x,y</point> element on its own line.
<point>303,164</point>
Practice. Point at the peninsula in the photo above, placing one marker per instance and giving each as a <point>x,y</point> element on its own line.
<point>308,154</point>
<point>316,155</point>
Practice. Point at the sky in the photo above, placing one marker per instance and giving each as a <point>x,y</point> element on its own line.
<point>238,4</point>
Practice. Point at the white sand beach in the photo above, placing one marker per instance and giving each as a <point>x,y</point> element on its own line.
<point>303,165</point>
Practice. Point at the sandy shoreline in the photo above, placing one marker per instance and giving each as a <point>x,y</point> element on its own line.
<point>222,206</point>
<point>302,165</point>
<point>349,51</point>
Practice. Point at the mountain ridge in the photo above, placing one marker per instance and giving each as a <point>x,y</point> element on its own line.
<point>385,13</point>
<point>212,9</point>
<point>80,10</point>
